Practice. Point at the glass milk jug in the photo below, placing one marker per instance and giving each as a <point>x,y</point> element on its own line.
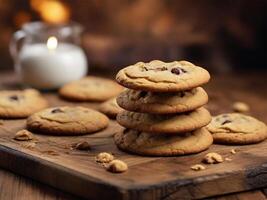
<point>48,56</point>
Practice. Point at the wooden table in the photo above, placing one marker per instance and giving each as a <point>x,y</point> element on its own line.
<point>248,87</point>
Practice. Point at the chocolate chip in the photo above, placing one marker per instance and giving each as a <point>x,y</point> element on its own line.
<point>182,94</point>
<point>145,69</point>
<point>142,94</point>
<point>226,122</point>
<point>14,98</point>
<point>177,70</point>
<point>56,110</point>
<point>161,69</point>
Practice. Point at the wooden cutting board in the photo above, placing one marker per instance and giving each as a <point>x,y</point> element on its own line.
<point>51,160</point>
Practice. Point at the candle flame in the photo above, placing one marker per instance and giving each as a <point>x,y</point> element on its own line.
<point>51,43</point>
<point>51,11</point>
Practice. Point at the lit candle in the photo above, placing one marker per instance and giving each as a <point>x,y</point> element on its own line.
<point>50,65</point>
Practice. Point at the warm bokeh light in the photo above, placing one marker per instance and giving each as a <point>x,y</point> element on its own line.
<point>51,43</point>
<point>51,11</point>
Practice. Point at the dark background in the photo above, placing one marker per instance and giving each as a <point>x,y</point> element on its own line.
<point>222,36</point>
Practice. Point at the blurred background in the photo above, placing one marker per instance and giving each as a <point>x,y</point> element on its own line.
<point>220,35</point>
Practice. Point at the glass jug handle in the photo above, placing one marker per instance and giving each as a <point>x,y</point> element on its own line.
<point>13,46</point>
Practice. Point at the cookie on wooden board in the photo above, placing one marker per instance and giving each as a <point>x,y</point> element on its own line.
<point>162,103</point>
<point>148,144</point>
<point>67,121</point>
<point>158,76</point>
<point>235,128</point>
<point>20,103</point>
<point>90,88</point>
<point>165,124</point>
<point>110,108</point>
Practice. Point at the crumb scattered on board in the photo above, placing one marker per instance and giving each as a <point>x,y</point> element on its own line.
<point>233,151</point>
<point>212,158</point>
<point>197,167</point>
<point>104,157</point>
<point>117,166</point>
<point>111,165</point>
<point>228,159</point>
<point>82,146</point>
<point>23,135</point>
<point>240,107</point>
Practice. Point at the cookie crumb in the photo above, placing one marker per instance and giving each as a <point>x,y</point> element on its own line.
<point>117,166</point>
<point>228,159</point>
<point>197,167</point>
<point>82,146</point>
<point>23,135</point>
<point>241,107</point>
<point>213,158</point>
<point>104,157</point>
<point>233,151</point>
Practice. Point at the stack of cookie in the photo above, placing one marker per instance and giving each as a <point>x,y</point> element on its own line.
<point>163,109</point>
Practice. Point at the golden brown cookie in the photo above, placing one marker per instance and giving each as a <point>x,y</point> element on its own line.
<point>234,128</point>
<point>166,124</point>
<point>158,76</point>
<point>20,103</point>
<point>90,88</point>
<point>162,103</point>
<point>110,108</point>
<point>148,144</point>
<point>67,121</point>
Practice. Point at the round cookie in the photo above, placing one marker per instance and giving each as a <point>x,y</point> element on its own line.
<point>166,124</point>
<point>20,103</point>
<point>148,144</point>
<point>90,88</point>
<point>162,103</point>
<point>110,108</point>
<point>235,128</point>
<point>67,121</point>
<point>158,76</point>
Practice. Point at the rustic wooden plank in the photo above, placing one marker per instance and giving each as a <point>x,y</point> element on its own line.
<point>249,195</point>
<point>161,177</point>
<point>148,177</point>
<point>16,187</point>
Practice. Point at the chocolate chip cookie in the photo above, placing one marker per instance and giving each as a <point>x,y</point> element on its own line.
<point>162,103</point>
<point>148,144</point>
<point>110,108</point>
<point>67,121</point>
<point>234,128</point>
<point>90,88</point>
<point>20,103</point>
<point>158,76</point>
<point>165,124</point>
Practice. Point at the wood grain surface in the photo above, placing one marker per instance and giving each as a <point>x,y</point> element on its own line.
<point>51,159</point>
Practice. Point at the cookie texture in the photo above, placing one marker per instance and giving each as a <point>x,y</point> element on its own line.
<point>90,88</point>
<point>158,76</point>
<point>110,108</point>
<point>162,103</point>
<point>20,103</point>
<point>67,121</point>
<point>167,124</point>
<point>235,128</point>
<point>148,144</point>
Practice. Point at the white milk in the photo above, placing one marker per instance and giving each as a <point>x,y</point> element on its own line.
<point>45,68</point>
